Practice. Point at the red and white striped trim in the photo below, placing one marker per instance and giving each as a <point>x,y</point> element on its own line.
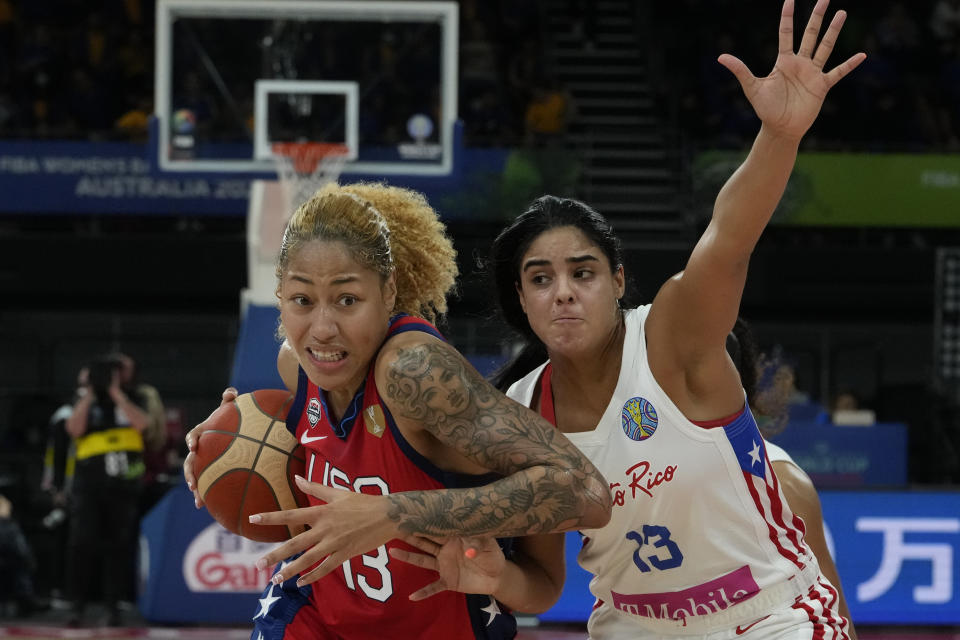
<point>819,609</point>
<point>772,508</point>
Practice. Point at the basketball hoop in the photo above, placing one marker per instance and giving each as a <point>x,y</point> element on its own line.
<point>304,167</point>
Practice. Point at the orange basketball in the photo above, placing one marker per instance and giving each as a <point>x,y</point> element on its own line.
<point>246,462</point>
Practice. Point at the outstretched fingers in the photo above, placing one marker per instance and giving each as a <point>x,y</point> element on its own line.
<point>786,27</point>
<point>838,72</point>
<point>738,69</point>
<point>329,563</point>
<point>298,543</point>
<point>321,491</point>
<point>812,32</point>
<point>829,39</point>
<point>287,569</point>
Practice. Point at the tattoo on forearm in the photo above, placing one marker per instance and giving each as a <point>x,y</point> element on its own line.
<point>549,484</point>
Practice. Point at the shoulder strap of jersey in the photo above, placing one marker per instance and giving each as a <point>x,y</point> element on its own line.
<point>546,395</point>
<point>299,401</point>
<point>402,323</point>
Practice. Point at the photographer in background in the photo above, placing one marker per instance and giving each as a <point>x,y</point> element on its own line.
<point>107,425</point>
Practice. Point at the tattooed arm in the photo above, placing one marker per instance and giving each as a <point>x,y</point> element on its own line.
<point>460,422</point>
<point>548,485</point>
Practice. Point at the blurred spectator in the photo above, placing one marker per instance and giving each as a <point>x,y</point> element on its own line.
<point>59,460</point>
<point>85,71</point>
<point>845,401</point>
<point>17,564</point>
<point>945,25</point>
<point>547,116</point>
<point>897,33</point>
<point>548,112</point>
<point>478,70</point>
<point>898,92</point>
<point>583,20</point>
<point>487,120</point>
<point>7,42</point>
<point>106,424</point>
<point>59,456</point>
<point>134,125</point>
<point>96,42</point>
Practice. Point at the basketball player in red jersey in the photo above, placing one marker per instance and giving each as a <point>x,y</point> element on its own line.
<point>402,435</point>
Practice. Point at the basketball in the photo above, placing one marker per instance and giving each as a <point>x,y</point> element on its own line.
<point>246,464</point>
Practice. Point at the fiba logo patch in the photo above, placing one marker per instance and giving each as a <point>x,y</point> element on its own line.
<point>313,412</point>
<point>638,419</point>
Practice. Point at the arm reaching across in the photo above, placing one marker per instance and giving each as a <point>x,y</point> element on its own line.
<point>531,581</point>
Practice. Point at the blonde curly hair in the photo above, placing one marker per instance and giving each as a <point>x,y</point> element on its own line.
<point>387,229</point>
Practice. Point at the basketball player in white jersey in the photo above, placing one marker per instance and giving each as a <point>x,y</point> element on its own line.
<point>701,542</point>
<point>769,384</point>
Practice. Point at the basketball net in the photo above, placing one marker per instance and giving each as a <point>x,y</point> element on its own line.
<point>305,167</point>
<point>302,169</point>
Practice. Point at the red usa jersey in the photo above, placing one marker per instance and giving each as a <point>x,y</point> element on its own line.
<point>701,537</point>
<point>365,452</point>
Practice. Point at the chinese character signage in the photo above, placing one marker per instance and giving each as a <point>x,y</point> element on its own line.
<point>898,554</point>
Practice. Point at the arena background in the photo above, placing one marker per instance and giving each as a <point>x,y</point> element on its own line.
<point>856,283</point>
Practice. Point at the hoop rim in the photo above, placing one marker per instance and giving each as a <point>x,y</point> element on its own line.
<point>315,149</point>
<point>305,156</point>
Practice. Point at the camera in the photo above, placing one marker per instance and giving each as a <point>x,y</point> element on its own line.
<point>101,375</point>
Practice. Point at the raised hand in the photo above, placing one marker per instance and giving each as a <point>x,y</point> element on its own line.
<point>788,100</point>
<point>467,565</point>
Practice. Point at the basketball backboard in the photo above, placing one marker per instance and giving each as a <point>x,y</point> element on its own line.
<point>234,76</point>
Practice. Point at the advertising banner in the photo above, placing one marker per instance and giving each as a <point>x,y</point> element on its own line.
<point>897,553</point>
<point>841,457</point>
<point>72,177</point>
<point>108,177</point>
<point>194,570</point>
<point>851,189</point>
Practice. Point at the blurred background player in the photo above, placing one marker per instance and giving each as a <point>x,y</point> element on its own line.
<point>769,386</point>
<point>17,566</point>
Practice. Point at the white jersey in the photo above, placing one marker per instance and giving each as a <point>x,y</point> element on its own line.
<point>701,537</point>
